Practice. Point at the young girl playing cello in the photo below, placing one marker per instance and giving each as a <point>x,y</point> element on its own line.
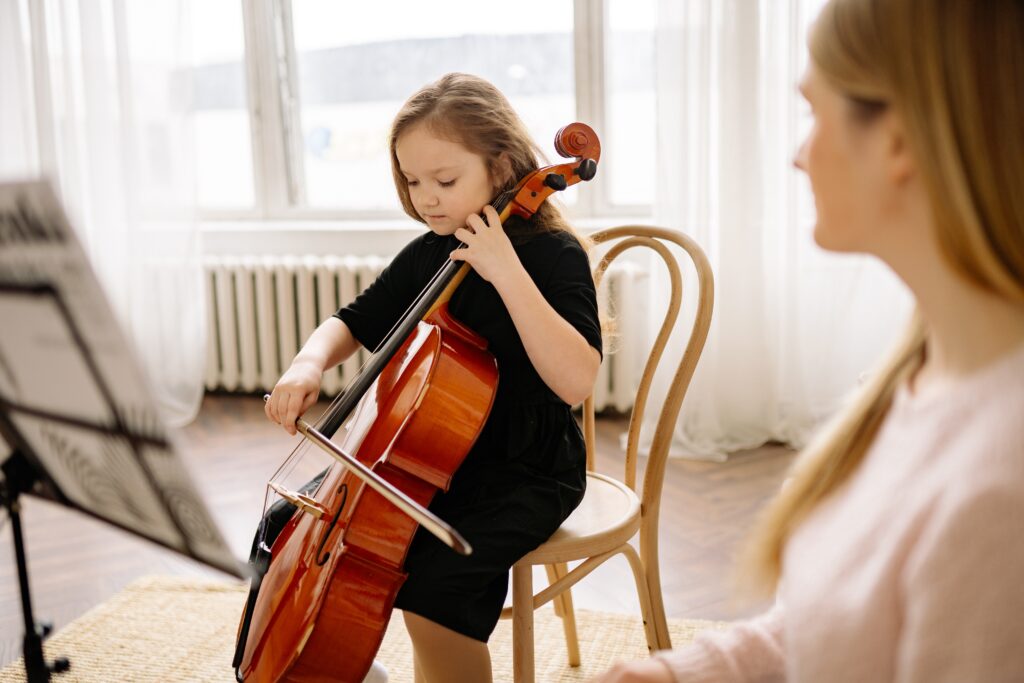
<point>455,145</point>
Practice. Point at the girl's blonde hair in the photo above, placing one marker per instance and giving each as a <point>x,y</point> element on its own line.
<point>470,111</point>
<point>954,72</point>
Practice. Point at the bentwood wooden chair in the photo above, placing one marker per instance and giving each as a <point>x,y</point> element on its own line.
<point>614,511</point>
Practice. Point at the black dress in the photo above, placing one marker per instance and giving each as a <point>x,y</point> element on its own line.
<point>527,470</point>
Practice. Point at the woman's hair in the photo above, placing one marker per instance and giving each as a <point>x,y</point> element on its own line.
<point>954,72</point>
<point>470,111</point>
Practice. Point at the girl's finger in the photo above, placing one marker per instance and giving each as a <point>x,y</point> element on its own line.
<point>292,412</point>
<point>268,408</point>
<point>464,235</point>
<point>493,221</point>
<point>275,408</point>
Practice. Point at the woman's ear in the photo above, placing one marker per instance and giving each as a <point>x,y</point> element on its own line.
<point>899,158</point>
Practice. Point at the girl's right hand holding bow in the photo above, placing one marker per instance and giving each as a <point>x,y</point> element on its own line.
<point>294,393</point>
<point>299,387</point>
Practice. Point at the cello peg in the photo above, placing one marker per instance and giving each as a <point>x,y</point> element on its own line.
<point>556,181</point>
<point>587,169</point>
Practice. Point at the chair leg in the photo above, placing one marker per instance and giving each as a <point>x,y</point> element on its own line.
<point>563,608</point>
<point>658,609</point>
<point>522,624</point>
<point>643,591</point>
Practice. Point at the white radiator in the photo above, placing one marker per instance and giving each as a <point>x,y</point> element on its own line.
<point>262,309</point>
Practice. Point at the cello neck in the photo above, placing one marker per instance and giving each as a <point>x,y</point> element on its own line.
<point>423,306</point>
<point>435,295</point>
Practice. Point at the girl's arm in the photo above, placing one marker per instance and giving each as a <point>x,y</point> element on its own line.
<point>563,358</point>
<point>331,343</point>
<point>566,362</point>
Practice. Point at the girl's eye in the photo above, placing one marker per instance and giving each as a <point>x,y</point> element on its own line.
<point>413,183</point>
<point>446,183</point>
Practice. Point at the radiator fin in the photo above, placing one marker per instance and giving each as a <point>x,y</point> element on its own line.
<point>261,310</point>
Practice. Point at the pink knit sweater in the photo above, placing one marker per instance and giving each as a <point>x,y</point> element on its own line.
<point>913,570</point>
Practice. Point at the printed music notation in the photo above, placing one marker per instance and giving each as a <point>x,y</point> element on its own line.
<point>20,223</point>
<point>63,355</point>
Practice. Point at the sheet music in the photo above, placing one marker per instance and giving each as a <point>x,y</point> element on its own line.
<point>145,488</point>
<point>40,363</point>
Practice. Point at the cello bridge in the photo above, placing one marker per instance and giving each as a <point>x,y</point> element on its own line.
<point>301,501</point>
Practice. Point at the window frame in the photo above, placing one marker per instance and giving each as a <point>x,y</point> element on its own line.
<point>274,120</point>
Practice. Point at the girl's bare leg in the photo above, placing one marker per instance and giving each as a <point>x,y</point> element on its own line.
<point>444,656</point>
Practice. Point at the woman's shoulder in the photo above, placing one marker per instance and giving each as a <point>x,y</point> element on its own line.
<point>959,445</point>
<point>989,401</point>
<point>979,432</point>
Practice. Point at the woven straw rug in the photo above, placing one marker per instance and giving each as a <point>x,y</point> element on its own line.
<point>174,629</point>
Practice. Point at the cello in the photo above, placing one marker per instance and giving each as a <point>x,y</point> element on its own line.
<point>327,559</point>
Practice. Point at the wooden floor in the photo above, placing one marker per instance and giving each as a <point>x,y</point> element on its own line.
<point>75,562</point>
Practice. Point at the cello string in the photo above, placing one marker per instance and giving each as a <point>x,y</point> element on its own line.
<point>329,411</point>
<point>500,202</point>
<point>501,199</point>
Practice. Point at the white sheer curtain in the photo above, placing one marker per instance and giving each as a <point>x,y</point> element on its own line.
<point>95,95</point>
<point>794,327</point>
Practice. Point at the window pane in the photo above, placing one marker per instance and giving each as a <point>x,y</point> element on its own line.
<point>629,142</point>
<point>223,140</point>
<point>359,62</point>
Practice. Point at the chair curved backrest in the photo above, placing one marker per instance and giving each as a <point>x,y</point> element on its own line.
<point>619,240</point>
<point>612,511</point>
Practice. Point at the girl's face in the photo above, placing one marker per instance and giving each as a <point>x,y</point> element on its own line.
<point>447,182</point>
<point>846,162</point>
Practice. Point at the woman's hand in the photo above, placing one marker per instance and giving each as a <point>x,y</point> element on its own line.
<point>644,671</point>
<point>294,393</point>
<point>488,248</point>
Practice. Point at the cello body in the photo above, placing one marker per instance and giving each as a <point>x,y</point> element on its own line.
<point>327,596</point>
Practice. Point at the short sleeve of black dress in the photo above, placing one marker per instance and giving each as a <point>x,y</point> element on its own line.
<point>570,290</point>
<point>377,308</point>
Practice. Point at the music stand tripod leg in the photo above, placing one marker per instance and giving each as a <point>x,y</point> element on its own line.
<point>18,479</point>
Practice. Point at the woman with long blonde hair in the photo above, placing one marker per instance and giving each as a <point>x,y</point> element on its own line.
<point>896,548</point>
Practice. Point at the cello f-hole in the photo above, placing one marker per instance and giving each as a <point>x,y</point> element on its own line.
<point>321,556</point>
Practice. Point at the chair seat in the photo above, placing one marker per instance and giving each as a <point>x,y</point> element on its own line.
<point>608,516</point>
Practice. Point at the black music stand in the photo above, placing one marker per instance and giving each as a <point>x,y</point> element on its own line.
<point>20,478</point>
<point>74,407</point>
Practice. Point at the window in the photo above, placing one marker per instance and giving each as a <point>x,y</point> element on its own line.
<point>308,136</point>
<point>353,75</point>
<point>224,169</point>
<point>629,102</point>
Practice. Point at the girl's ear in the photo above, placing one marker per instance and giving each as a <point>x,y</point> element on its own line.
<point>502,171</point>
